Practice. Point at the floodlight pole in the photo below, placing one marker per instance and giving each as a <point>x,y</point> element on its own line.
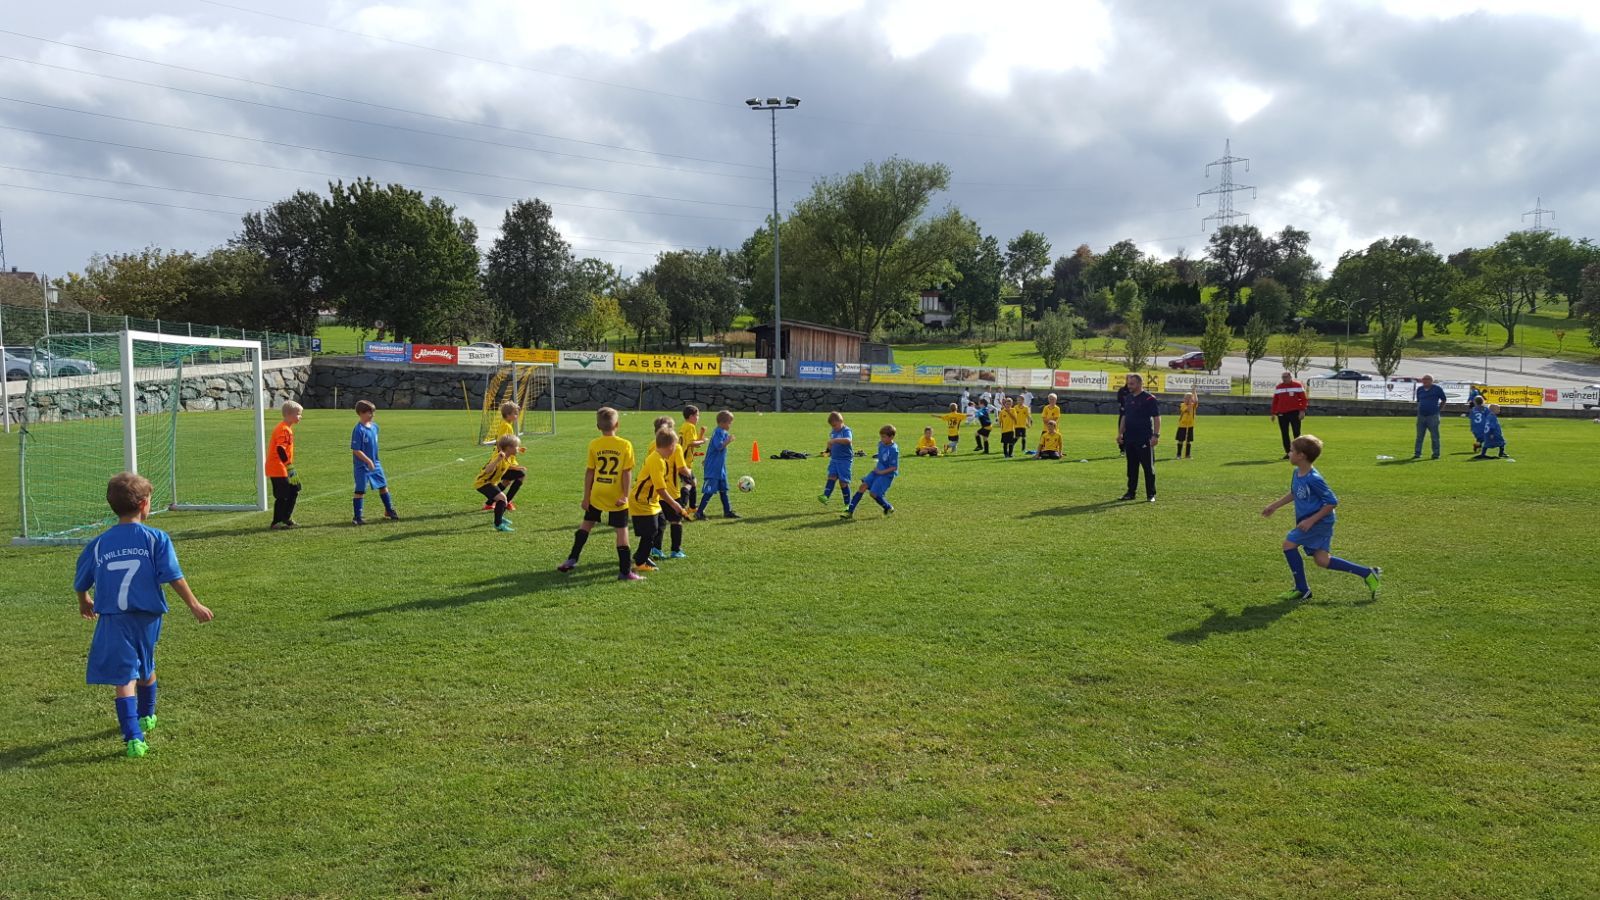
<point>772,106</point>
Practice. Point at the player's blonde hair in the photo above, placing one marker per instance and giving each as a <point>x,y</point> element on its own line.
<point>665,438</point>
<point>507,442</point>
<point>290,407</point>
<point>509,409</point>
<point>127,491</point>
<point>835,416</point>
<point>665,422</point>
<point>605,418</point>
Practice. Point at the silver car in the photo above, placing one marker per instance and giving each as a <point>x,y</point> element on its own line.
<point>54,366</point>
<point>19,368</point>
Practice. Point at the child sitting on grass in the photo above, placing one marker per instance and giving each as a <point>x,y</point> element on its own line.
<point>926,446</point>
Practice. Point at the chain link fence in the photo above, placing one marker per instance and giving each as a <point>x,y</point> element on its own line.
<point>25,326</point>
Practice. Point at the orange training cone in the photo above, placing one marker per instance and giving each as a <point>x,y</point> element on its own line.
<point>755,451</point>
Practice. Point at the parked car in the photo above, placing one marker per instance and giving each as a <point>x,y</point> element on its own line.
<point>1194,359</point>
<point>18,368</point>
<point>55,366</point>
<point>1349,375</point>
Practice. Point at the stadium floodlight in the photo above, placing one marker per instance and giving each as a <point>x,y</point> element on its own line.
<point>772,106</point>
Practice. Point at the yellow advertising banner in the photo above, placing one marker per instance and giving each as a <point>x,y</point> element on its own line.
<point>1154,382</point>
<point>525,355</point>
<point>1514,396</point>
<point>668,364</point>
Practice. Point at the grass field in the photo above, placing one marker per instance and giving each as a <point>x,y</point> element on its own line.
<point>1011,688</point>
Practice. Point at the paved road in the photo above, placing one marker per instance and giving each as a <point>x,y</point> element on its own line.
<point>1539,371</point>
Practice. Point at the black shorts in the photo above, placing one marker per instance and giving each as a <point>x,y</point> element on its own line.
<point>489,492</point>
<point>671,516</point>
<point>1008,437</point>
<point>983,432</point>
<point>1022,433</point>
<point>515,473</point>
<point>1186,435</point>
<point>617,518</point>
<point>1049,454</point>
<point>953,438</point>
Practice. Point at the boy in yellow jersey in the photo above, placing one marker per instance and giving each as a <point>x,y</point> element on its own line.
<point>1050,441</point>
<point>678,479</point>
<point>952,428</point>
<point>516,473</point>
<point>926,446</point>
<point>606,481</point>
<point>1186,413</point>
<point>1021,419</point>
<point>648,494</point>
<point>1051,411</point>
<point>491,479</point>
<point>1008,428</point>
<point>691,439</point>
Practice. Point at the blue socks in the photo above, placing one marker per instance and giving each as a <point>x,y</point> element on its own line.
<point>388,502</point>
<point>357,503</point>
<point>880,501</point>
<point>854,499</point>
<point>146,694</point>
<point>1298,567</point>
<point>827,489</point>
<point>1344,565</point>
<point>128,719</point>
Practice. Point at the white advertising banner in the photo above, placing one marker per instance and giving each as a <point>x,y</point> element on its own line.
<point>1575,396</point>
<point>744,368</point>
<point>585,361</point>
<point>1083,381</point>
<point>1334,389</point>
<point>847,371</point>
<point>1397,391</point>
<point>1041,378</point>
<point>477,356</point>
<point>1456,391</point>
<point>1183,382</point>
<point>1263,387</point>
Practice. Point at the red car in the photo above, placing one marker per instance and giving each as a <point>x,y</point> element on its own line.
<point>1194,359</point>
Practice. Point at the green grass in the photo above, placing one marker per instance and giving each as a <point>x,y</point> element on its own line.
<point>1011,688</point>
<point>344,340</point>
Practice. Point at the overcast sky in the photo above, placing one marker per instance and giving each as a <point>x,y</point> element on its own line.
<point>1087,121</point>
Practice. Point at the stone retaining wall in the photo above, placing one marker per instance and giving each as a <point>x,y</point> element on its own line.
<point>209,388</point>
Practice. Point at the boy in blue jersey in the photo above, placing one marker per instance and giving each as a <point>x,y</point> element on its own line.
<point>1313,529</point>
<point>881,478</point>
<point>1493,438</point>
<point>841,457</point>
<point>714,478</point>
<point>125,568</point>
<point>369,472</point>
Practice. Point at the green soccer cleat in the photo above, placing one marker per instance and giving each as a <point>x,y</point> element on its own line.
<point>848,514</point>
<point>1295,594</point>
<point>137,749</point>
<point>504,526</point>
<point>677,554</point>
<point>1374,581</point>
<point>147,723</point>
<point>823,499</point>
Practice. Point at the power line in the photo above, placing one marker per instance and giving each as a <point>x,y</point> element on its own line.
<point>1225,215</point>
<point>382,106</point>
<point>134,184</point>
<point>24,187</point>
<point>397,162</point>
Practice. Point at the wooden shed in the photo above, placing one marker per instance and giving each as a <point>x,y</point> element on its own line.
<point>810,342</point>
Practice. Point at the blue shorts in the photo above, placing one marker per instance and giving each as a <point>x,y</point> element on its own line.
<point>840,469</point>
<point>373,477</point>
<point>1320,537</point>
<point>878,485</point>
<point>713,484</point>
<point>123,648</point>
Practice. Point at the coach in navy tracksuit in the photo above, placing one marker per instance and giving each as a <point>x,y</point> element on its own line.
<point>1138,433</point>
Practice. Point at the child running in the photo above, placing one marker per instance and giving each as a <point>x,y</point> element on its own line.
<point>492,478</point>
<point>881,478</point>
<point>716,468</point>
<point>840,450</point>
<point>952,428</point>
<point>606,481</point>
<point>678,476</point>
<point>1049,441</point>
<point>124,568</point>
<point>649,494</point>
<point>280,468</point>
<point>369,471</point>
<point>1314,504</point>
<point>926,445</point>
<point>1186,413</point>
<point>516,473</point>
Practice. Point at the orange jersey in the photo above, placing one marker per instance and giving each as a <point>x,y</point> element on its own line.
<point>278,463</point>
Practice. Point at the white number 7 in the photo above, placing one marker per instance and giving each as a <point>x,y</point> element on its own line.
<point>130,566</point>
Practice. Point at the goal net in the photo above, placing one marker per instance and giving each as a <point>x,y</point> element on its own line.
<point>529,385</point>
<point>184,412</point>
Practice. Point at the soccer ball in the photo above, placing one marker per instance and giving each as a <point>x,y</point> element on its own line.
<point>747,484</point>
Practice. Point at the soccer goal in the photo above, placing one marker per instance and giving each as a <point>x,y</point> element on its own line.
<point>185,412</point>
<point>532,386</point>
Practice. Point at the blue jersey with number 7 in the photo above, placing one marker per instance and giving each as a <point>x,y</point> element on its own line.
<point>126,567</point>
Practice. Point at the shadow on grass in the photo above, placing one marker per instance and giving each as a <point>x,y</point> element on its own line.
<point>1251,618</point>
<point>1252,462</point>
<point>525,584</point>
<point>1084,509</point>
<point>833,520</point>
<point>1399,461</point>
<point>17,757</point>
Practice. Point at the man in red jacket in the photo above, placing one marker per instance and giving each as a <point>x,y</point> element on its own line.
<point>1288,407</point>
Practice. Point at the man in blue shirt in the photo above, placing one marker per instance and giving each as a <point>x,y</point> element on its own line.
<point>364,451</point>
<point>1430,398</point>
<point>1138,432</point>
<point>124,568</point>
<point>841,457</point>
<point>715,479</point>
<point>881,478</point>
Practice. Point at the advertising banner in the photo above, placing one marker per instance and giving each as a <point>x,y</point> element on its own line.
<point>1339,389</point>
<point>815,371</point>
<point>1573,396</point>
<point>1184,382</point>
<point>525,355</point>
<point>744,368</point>
<point>667,364</point>
<point>388,351</point>
<point>582,360</point>
<point>1041,378</point>
<point>849,372</point>
<point>1083,381</point>
<point>1514,395</point>
<point>1263,387</point>
<point>928,375</point>
<point>1456,391</point>
<point>890,374</point>
<point>477,356</point>
<point>433,354</point>
<point>1153,381</point>
<point>968,375</point>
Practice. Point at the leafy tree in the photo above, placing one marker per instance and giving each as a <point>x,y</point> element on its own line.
<point>1144,340</point>
<point>1218,335</point>
<point>1070,276</point>
<point>1117,264</point>
<point>642,307</point>
<point>1271,300</point>
<point>1507,287</point>
<point>288,236</point>
<point>1295,349</point>
<point>975,296</point>
<point>1292,265</point>
<point>526,276</point>
<point>1588,304</point>
<point>1341,356</point>
<point>1257,333</point>
<point>1565,267</point>
<point>233,286</point>
<point>599,319</point>
<point>147,284</point>
<point>1236,254</point>
<point>1125,298</point>
<point>1388,345</point>
<point>1420,275</point>
<point>1027,256</point>
<point>699,291</point>
<point>1054,336</point>
<point>863,246</point>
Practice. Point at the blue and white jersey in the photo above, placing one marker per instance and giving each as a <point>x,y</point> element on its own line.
<point>841,452</point>
<point>1311,494</point>
<point>126,567</point>
<point>1478,417</point>
<point>888,458</point>
<point>364,437</point>
<point>716,459</point>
